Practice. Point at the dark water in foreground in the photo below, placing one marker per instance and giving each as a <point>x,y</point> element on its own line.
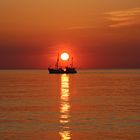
<point>91,105</point>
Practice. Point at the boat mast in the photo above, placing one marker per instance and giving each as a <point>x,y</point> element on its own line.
<point>72,62</point>
<point>57,62</point>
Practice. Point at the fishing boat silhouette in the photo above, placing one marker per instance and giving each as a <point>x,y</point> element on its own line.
<point>58,70</point>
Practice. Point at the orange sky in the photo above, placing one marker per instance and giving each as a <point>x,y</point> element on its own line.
<point>98,33</point>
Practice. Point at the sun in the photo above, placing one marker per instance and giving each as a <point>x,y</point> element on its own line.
<point>65,56</point>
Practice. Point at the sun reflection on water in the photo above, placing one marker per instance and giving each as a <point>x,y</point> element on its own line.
<point>64,108</point>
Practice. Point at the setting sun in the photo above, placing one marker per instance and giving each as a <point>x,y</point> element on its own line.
<point>65,56</point>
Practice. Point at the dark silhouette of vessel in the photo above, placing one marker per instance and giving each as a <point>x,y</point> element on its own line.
<point>58,70</point>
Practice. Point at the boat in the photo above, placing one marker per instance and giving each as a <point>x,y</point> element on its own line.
<point>58,70</point>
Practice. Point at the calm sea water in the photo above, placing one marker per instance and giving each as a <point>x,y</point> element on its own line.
<point>90,105</point>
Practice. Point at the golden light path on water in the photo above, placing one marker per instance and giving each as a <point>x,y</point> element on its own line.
<point>65,133</point>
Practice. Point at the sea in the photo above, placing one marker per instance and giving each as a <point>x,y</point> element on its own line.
<point>90,105</point>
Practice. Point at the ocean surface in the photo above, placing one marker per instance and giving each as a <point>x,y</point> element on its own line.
<point>90,105</point>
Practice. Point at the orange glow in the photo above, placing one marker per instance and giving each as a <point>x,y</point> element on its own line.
<point>96,35</point>
<point>65,56</point>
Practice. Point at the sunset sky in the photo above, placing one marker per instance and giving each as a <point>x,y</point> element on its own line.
<point>97,33</point>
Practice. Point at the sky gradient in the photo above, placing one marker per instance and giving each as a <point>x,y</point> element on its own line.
<point>98,33</point>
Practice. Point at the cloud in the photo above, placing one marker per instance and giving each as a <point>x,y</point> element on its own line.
<point>124,18</point>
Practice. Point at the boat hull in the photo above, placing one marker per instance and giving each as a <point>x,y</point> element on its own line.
<point>61,71</point>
